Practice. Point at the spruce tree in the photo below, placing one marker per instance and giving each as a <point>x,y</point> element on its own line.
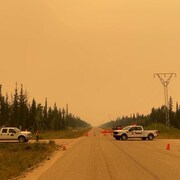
<point>14,120</point>
<point>32,115</point>
<point>23,109</point>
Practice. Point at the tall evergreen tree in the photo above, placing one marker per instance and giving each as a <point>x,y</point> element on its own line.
<point>32,115</point>
<point>63,118</point>
<point>14,120</point>
<point>20,113</point>
<point>171,113</point>
<point>55,119</point>
<point>45,115</point>
<point>177,116</point>
<point>49,120</point>
<point>23,109</point>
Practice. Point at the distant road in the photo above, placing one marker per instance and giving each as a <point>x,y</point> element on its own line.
<point>100,157</point>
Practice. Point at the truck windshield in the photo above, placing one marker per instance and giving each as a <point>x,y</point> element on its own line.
<point>126,128</point>
<point>17,130</point>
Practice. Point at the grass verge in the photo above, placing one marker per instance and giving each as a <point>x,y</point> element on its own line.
<point>16,158</point>
<point>165,132</point>
<point>62,134</point>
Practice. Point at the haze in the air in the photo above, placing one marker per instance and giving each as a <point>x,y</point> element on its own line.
<point>98,57</point>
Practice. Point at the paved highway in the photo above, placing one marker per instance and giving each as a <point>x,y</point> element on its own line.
<point>100,157</point>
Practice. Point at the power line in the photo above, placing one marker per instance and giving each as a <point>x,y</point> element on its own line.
<point>165,79</point>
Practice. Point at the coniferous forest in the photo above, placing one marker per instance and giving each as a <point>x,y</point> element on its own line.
<point>16,110</point>
<point>157,115</point>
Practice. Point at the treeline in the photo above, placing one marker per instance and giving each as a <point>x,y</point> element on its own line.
<point>157,115</point>
<point>18,111</point>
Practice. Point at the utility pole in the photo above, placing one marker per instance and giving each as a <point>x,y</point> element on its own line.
<point>165,79</point>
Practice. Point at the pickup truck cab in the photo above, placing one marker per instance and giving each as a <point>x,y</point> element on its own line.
<point>13,133</point>
<point>134,131</point>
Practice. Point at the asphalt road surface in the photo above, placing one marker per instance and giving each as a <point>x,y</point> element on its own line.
<point>101,157</point>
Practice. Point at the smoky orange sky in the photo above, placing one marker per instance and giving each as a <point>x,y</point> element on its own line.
<point>97,56</point>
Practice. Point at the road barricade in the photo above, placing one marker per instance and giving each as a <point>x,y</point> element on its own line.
<point>105,132</point>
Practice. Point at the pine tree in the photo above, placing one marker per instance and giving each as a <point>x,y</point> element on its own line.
<point>171,113</point>
<point>14,120</point>
<point>32,115</point>
<point>49,120</point>
<point>177,116</point>
<point>1,106</point>
<point>23,109</point>
<point>55,118</point>
<point>20,113</point>
<point>38,124</point>
<point>45,115</point>
<point>63,119</point>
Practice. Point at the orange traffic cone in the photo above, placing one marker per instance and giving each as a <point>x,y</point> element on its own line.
<point>168,147</point>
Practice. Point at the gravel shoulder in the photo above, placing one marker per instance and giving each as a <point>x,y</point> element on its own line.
<point>35,172</point>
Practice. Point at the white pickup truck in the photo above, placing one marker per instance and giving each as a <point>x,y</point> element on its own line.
<point>134,131</point>
<point>13,133</point>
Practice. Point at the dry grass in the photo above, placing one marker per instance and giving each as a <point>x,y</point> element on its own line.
<point>166,132</point>
<point>62,134</point>
<point>16,158</point>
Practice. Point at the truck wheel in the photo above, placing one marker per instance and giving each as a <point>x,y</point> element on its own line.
<point>124,137</point>
<point>118,138</point>
<point>22,139</point>
<point>150,137</point>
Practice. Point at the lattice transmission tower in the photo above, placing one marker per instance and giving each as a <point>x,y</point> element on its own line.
<point>165,79</point>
